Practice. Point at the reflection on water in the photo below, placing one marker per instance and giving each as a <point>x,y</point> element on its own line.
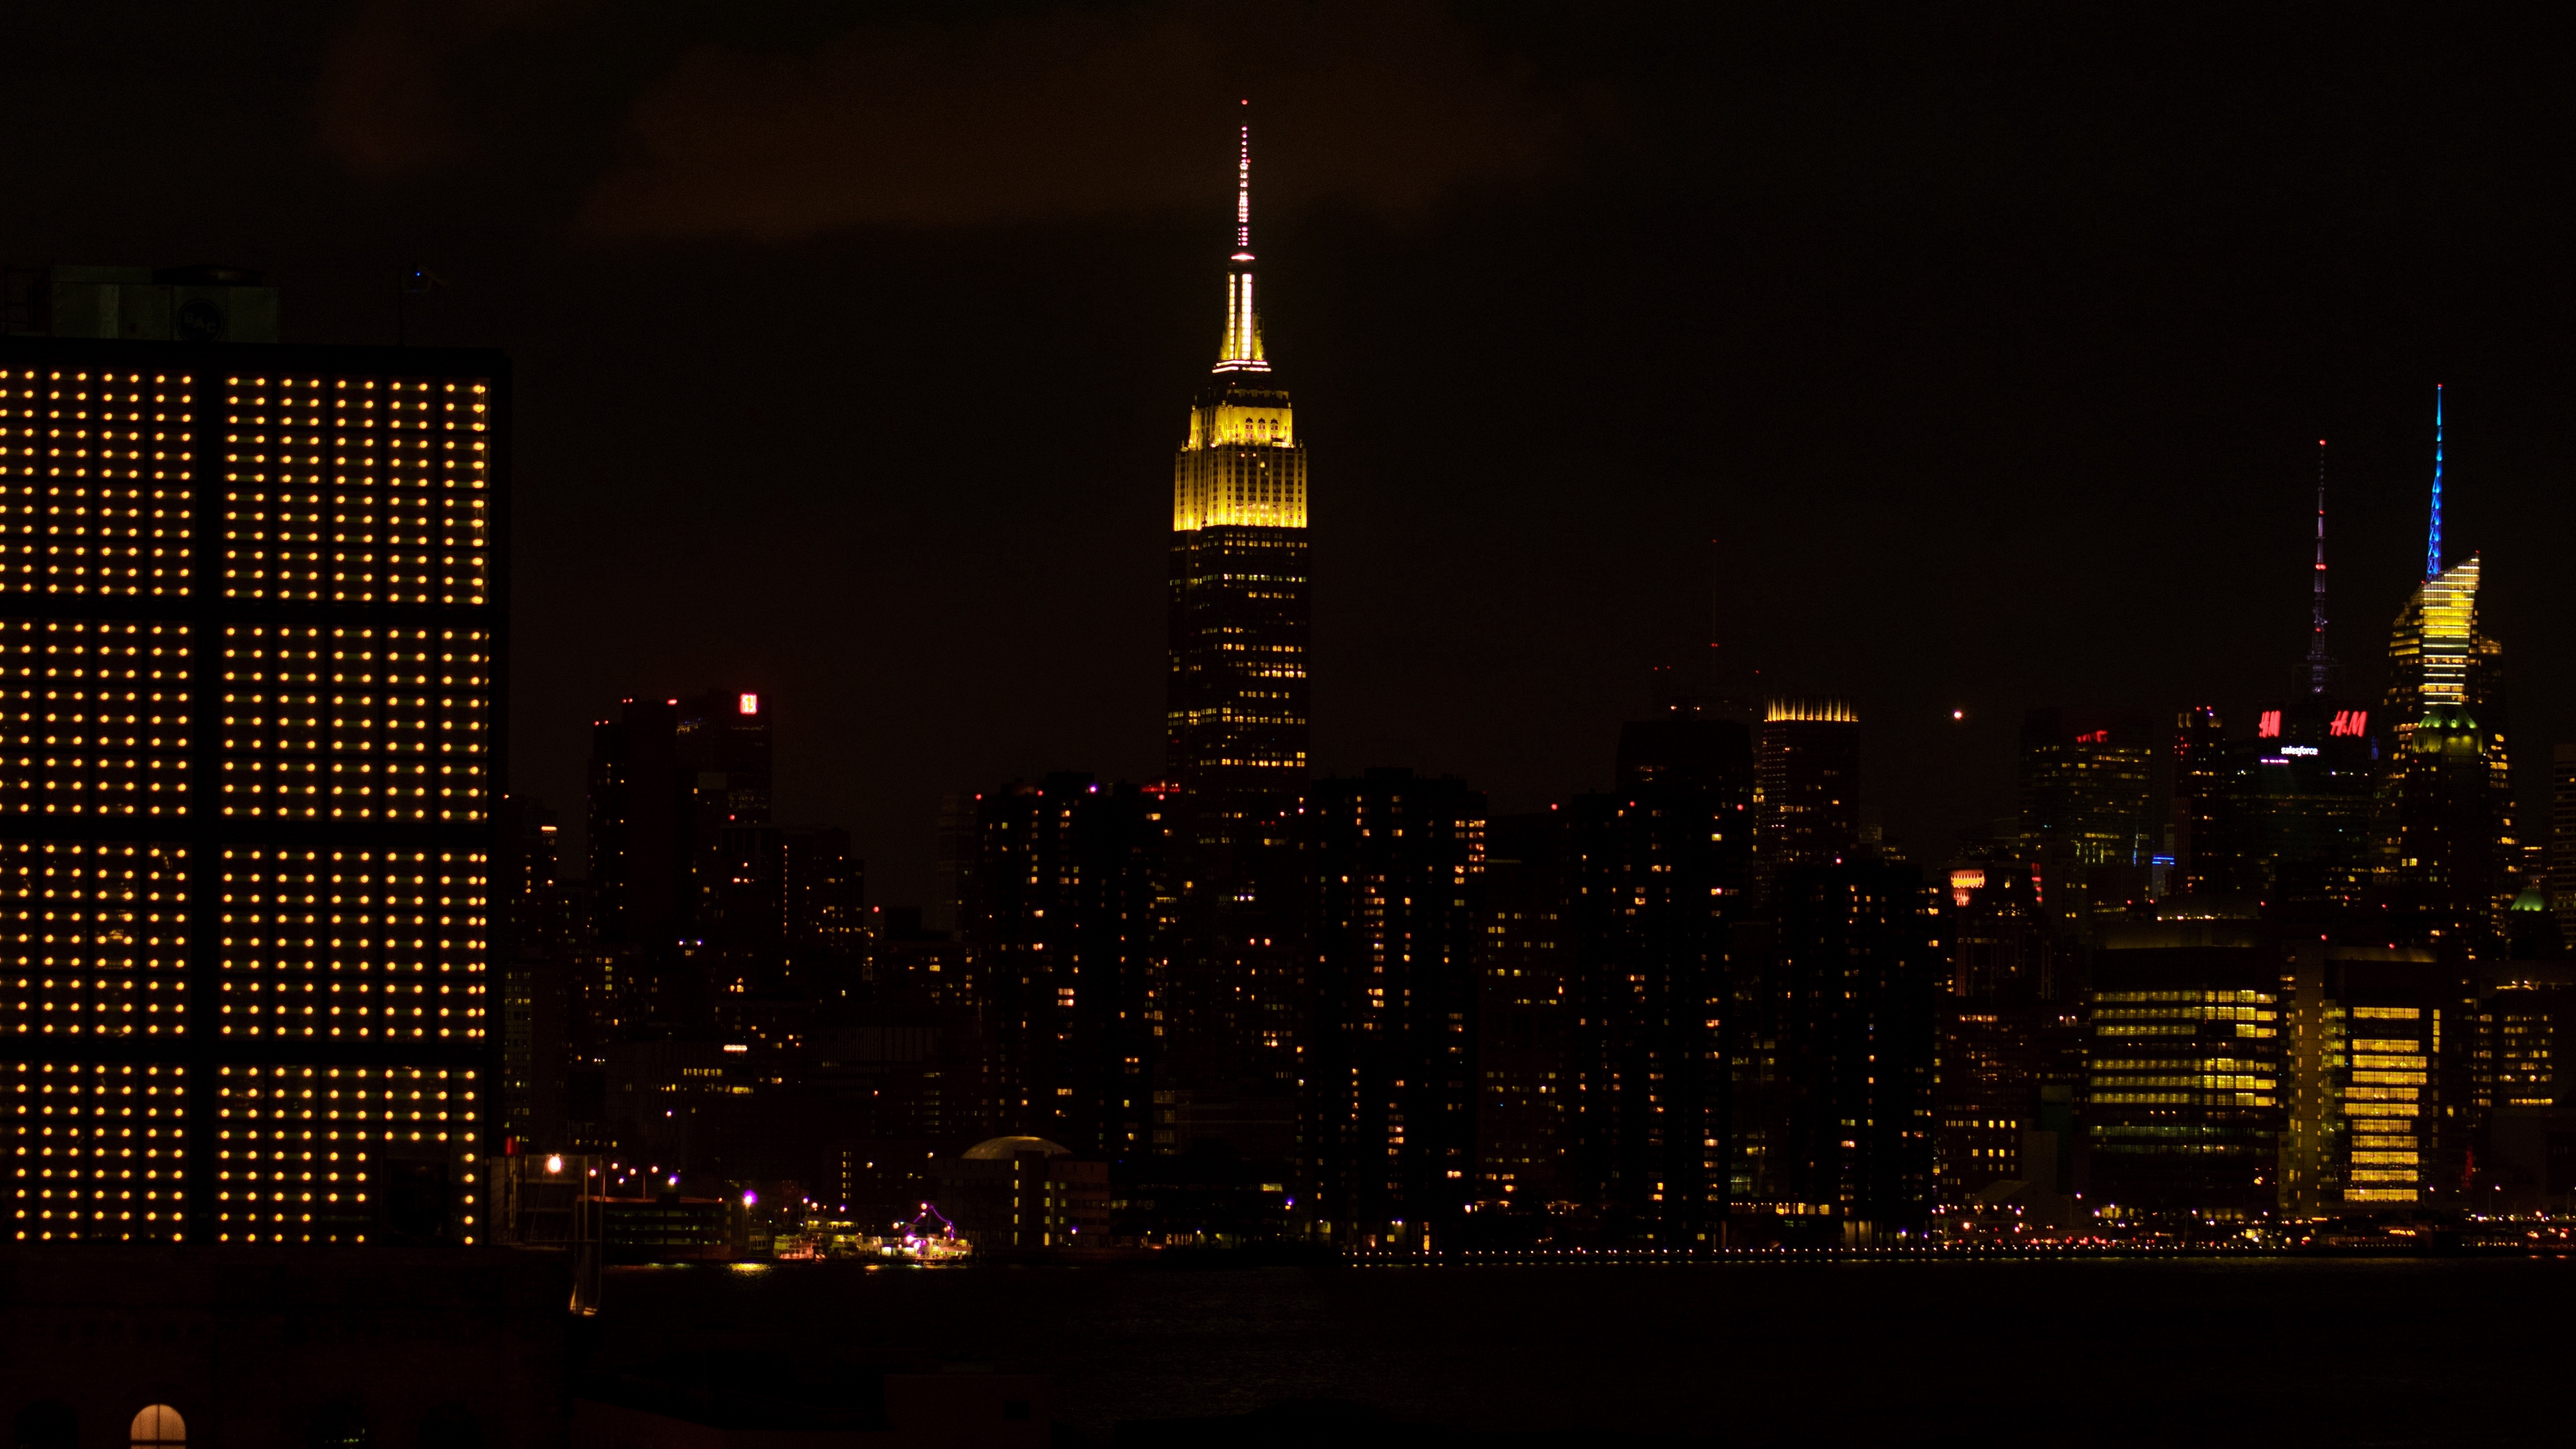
<point>2278,1352</point>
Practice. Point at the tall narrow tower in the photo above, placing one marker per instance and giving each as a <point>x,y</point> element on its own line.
<point>2448,847</point>
<point>1235,725</point>
<point>1235,736</point>
<point>2320,666</point>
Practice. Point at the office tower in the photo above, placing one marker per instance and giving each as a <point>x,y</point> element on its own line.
<point>1524,1015</point>
<point>2186,1100</point>
<point>1066,919</point>
<point>1235,734</point>
<point>2203,860</point>
<point>2448,849</point>
<point>1657,872</point>
<point>2368,1106</point>
<point>1397,865</point>
<point>1838,1122</point>
<point>251,628</point>
<point>2086,817</point>
<point>1810,782</point>
<point>2301,796</point>
<point>2084,787</point>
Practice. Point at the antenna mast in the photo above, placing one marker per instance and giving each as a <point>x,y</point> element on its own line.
<point>2433,550</point>
<point>2319,666</point>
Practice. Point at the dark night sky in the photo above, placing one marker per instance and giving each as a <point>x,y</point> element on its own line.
<point>853,342</point>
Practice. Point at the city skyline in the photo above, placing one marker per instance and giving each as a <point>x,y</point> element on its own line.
<point>1991,405</point>
<point>1396,723</point>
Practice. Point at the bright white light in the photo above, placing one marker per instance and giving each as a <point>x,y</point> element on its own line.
<point>554,1164</point>
<point>749,1198</point>
<point>751,704</point>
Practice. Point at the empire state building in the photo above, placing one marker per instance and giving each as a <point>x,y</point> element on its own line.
<point>1235,727</point>
<point>1235,738</point>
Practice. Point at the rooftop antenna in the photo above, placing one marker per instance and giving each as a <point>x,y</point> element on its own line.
<point>2433,550</point>
<point>1242,351</point>
<point>2319,666</point>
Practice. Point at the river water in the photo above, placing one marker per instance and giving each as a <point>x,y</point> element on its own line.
<point>2277,1352</point>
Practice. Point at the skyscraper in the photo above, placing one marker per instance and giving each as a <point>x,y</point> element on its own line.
<point>2186,1099</point>
<point>2447,847</point>
<point>1235,732</point>
<point>1064,910</point>
<point>1840,1121</point>
<point>251,647</point>
<point>1810,777</point>
<point>1235,729</point>
<point>1397,864</point>
<point>1656,873</point>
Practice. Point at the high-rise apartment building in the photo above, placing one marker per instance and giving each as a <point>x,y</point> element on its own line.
<point>1397,864</point>
<point>1835,1119</point>
<point>252,632</point>
<point>1809,773</point>
<point>1235,724</point>
<point>1656,874</point>
<point>1067,917</point>
<point>1525,1016</point>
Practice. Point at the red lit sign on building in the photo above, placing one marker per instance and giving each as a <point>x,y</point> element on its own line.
<point>2350,723</point>
<point>2097,737</point>
<point>2269,727</point>
<point>751,704</point>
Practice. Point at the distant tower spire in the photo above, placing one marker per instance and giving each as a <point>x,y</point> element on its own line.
<point>1241,351</point>
<point>2319,666</point>
<point>2433,549</point>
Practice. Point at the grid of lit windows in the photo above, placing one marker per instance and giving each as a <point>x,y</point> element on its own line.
<point>96,939</point>
<point>306,1154</point>
<point>93,717</point>
<point>324,723</point>
<point>2387,1088</point>
<point>94,466</point>
<point>95,1150</point>
<point>357,490</point>
<point>356,944</point>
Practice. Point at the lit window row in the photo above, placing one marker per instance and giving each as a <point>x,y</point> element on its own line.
<point>365,945</point>
<point>357,490</point>
<point>84,684</point>
<point>94,1151</point>
<point>356,724</point>
<point>395,543</point>
<point>93,467</point>
<point>307,1154</point>
<point>96,939</point>
<point>93,717</point>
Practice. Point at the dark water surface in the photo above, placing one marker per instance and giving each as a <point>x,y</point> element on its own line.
<point>2276,1352</point>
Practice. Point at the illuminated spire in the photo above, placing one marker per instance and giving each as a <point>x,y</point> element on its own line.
<point>2319,666</point>
<point>2433,550</point>
<point>1241,351</point>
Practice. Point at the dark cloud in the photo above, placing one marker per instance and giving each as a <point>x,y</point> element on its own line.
<point>1073,114</point>
<point>384,103</point>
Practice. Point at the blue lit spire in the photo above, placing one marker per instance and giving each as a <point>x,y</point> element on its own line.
<point>2433,551</point>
